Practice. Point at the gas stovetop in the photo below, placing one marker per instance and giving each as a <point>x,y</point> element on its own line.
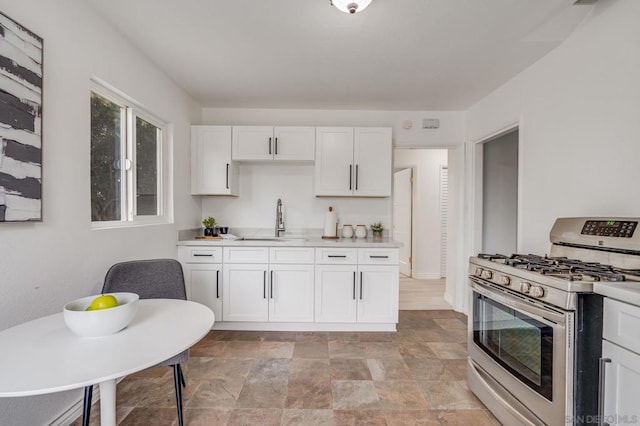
<point>565,268</point>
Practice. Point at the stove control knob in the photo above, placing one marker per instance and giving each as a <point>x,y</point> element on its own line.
<point>525,287</point>
<point>487,274</point>
<point>537,291</point>
<point>478,272</point>
<point>505,280</point>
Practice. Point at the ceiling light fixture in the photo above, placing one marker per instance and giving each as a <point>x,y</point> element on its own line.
<point>350,6</point>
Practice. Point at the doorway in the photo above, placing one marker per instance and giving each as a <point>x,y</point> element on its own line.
<point>420,224</point>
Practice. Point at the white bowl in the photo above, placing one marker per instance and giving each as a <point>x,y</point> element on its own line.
<point>101,322</point>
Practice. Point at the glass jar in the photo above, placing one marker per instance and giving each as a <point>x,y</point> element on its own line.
<point>361,231</point>
<point>347,231</point>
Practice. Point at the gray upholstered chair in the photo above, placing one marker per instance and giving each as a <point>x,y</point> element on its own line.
<point>150,279</point>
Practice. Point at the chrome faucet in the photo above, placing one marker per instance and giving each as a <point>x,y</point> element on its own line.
<point>279,219</point>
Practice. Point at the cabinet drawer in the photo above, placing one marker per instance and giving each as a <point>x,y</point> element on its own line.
<point>204,255</point>
<point>291,255</point>
<point>246,255</point>
<point>621,324</point>
<point>377,256</point>
<point>332,256</point>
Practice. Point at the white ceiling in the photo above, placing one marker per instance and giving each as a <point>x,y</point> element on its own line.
<point>395,55</point>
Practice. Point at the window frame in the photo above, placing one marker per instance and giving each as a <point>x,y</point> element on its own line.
<point>130,111</point>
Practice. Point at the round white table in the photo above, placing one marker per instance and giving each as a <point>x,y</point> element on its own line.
<point>43,356</point>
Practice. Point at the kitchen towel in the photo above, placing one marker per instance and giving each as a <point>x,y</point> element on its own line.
<point>330,223</point>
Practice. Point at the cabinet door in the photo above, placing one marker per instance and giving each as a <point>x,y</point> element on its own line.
<point>245,293</point>
<point>336,293</point>
<point>294,143</point>
<point>204,285</point>
<point>372,159</point>
<point>622,385</point>
<point>252,143</point>
<point>334,169</point>
<point>212,171</point>
<point>378,293</point>
<point>291,293</point>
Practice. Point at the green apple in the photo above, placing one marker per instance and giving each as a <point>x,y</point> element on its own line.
<point>104,301</point>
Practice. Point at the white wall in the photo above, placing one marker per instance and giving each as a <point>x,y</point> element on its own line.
<point>426,210</point>
<point>43,265</point>
<point>578,109</point>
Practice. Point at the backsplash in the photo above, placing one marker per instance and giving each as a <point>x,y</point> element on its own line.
<point>262,184</point>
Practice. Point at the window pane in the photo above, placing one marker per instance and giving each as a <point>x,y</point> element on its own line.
<point>147,137</point>
<point>106,146</point>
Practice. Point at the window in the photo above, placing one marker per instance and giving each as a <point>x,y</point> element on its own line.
<point>127,167</point>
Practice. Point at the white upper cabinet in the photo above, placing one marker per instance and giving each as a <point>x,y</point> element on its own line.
<point>267,143</point>
<point>212,170</point>
<point>353,162</point>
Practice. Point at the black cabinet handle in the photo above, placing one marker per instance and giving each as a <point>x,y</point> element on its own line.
<point>269,146</point>
<point>271,285</point>
<point>227,176</point>
<point>360,285</point>
<point>264,285</point>
<point>378,257</point>
<point>356,177</point>
<point>276,151</point>
<point>339,256</point>
<point>354,285</point>
<point>350,176</point>
<point>202,255</point>
<point>217,284</point>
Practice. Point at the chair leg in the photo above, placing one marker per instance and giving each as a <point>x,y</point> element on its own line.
<point>86,409</point>
<point>176,378</point>
<point>184,384</point>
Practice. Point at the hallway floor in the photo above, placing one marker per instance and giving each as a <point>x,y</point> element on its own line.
<point>413,377</point>
<point>422,294</point>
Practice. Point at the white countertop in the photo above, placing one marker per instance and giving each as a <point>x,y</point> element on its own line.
<point>627,292</point>
<point>296,242</point>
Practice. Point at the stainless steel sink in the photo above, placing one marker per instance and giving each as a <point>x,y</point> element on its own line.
<point>274,239</point>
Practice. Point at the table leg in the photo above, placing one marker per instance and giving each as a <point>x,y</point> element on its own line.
<point>108,403</point>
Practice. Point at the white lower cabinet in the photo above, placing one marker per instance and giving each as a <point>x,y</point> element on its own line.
<point>263,292</point>
<point>245,292</point>
<point>291,293</point>
<point>378,294</point>
<point>356,293</point>
<point>204,285</point>
<point>622,385</point>
<point>335,298</point>
<point>621,351</point>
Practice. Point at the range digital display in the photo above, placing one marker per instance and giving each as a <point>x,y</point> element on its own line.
<point>610,228</point>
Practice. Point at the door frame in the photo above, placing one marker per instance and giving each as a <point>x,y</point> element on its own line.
<point>412,213</point>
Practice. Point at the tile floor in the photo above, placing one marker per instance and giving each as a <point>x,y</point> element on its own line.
<point>413,377</point>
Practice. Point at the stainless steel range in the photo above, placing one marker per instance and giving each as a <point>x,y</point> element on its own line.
<point>535,325</point>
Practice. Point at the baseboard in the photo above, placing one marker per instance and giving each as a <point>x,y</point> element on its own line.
<point>72,413</point>
<point>303,326</point>
<point>426,276</point>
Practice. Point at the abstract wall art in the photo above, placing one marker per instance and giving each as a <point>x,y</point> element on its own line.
<point>20,123</point>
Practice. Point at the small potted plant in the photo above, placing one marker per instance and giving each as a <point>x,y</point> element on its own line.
<point>210,229</point>
<point>377,229</point>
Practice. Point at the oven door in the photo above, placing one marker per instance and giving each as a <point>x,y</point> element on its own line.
<point>522,345</point>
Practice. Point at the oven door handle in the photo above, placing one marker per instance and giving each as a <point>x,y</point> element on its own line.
<point>544,316</point>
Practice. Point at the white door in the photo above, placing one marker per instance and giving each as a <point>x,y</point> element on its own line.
<point>205,286</point>
<point>402,216</point>
<point>291,293</point>
<point>252,143</point>
<point>372,153</point>
<point>294,143</point>
<point>336,293</point>
<point>622,384</point>
<point>334,168</point>
<point>245,293</point>
<point>378,294</point>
